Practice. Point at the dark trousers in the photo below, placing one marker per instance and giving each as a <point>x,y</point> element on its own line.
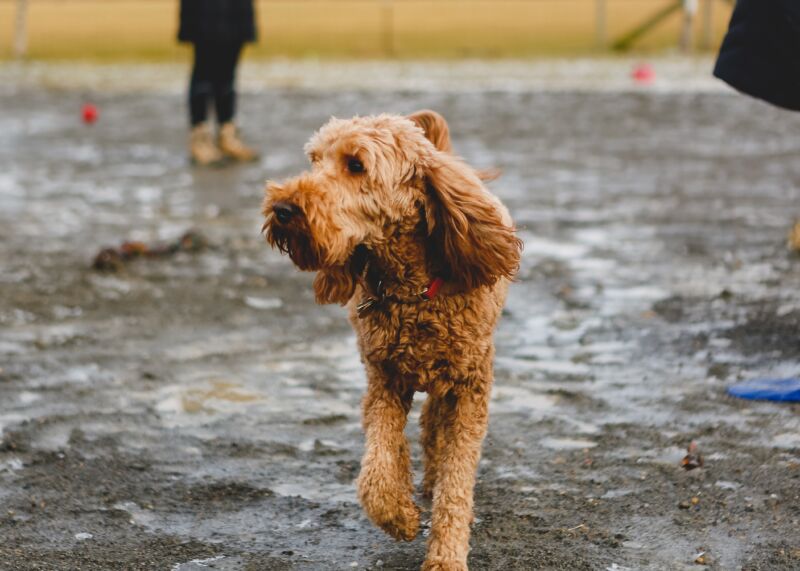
<point>213,78</point>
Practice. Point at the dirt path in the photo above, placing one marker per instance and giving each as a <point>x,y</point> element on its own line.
<point>202,412</point>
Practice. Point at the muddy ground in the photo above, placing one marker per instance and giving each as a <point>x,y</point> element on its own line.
<point>201,412</point>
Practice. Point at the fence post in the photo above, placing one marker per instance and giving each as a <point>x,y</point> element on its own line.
<point>387,28</point>
<point>21,30</point>
<point>601,35</point>
<point>708,24</point>
<point>689,11</point>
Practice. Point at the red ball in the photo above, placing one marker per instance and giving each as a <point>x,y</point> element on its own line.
<point>90,114</point>
<point>644,73</point>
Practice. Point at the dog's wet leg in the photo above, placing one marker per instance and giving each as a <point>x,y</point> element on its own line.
<point>464,422</point>
<point>385,484</point>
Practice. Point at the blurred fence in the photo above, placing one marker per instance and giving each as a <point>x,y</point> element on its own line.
<point>145,29</point>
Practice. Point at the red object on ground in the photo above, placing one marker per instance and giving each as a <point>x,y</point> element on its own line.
<point>90,113</point>
<point>644,73</point>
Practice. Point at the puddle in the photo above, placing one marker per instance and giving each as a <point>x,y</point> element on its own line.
<point>195,564</point>
<point>521,399</point>
<point>566,443</point>
<point>786,440</point>
<point>208,399</point>
<point>263,302</point>
<point>654,223</point>
<point>313,491</point>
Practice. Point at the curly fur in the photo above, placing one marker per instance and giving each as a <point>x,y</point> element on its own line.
<point>416,212</point>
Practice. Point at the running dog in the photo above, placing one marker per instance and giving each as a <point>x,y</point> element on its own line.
<point>406,235</point>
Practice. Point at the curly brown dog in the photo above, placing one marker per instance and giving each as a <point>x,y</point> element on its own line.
<point>407,236</point>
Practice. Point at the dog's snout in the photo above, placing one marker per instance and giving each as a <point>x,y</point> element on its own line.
<point>285,211</point>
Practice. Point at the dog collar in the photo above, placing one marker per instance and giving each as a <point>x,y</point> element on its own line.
<point>433,289</point>
<point>371,302</point>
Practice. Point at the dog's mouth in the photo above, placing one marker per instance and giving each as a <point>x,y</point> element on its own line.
<point>295,240</point>
<point>288,228</point>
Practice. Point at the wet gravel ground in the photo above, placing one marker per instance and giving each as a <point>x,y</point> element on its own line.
<point>201,412</point>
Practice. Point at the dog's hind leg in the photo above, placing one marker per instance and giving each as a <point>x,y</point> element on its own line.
<point>432,439</point>
<point>385,484</point>
<point>464,423</point>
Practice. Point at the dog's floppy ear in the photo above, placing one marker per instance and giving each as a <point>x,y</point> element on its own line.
<point>472,237</point>
<point>438,132</point>
<point>435,128</point>
<point>334,285</point>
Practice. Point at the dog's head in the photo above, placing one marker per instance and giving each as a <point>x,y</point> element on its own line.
<point>369,174</point>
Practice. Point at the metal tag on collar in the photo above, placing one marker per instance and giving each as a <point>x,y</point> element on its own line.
<point>363,308</point>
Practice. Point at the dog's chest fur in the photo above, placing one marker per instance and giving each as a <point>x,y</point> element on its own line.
<point>432,345</point>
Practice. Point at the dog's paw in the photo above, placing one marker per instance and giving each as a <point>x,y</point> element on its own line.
<point>439,564</point>
<point>398,519</point>
<point>403,524</point>
<point>394,513</point>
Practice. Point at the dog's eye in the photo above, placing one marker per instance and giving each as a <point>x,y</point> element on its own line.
<point>354,165</point>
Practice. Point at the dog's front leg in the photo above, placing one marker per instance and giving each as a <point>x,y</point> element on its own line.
<point>385,484</point>
<point>464,416</point>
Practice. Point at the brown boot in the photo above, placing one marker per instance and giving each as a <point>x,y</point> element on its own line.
<point>794,237</point>
<point>232,146</point>
<point>202,149</point>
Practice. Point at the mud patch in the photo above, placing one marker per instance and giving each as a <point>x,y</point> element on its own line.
<point>768,333</point>
<point>140,554</point>
<point>203,407</point>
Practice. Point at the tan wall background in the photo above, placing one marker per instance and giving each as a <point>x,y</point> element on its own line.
<point>145,29</point>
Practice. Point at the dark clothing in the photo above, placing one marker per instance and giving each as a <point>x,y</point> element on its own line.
<point>761,52</point>
<point>218,29</point>
<point>213,78</point>
<point>217,21</point>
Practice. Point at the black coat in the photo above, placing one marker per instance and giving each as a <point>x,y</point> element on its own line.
<point>217,21</point>
<point>761,53</point>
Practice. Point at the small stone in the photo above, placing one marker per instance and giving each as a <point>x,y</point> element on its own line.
<point>693,458</point>
<point>684,505</point>
<point>726,295</point>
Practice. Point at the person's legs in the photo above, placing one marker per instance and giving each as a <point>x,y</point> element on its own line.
<point>225,104</point>
<point>202,148</point>
<point>201,85</point>
<point>226,60</point>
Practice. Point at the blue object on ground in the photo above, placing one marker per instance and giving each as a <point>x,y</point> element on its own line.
<point>786,390</point>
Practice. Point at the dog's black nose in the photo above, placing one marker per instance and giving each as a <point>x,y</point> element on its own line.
<point>285,211</point>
